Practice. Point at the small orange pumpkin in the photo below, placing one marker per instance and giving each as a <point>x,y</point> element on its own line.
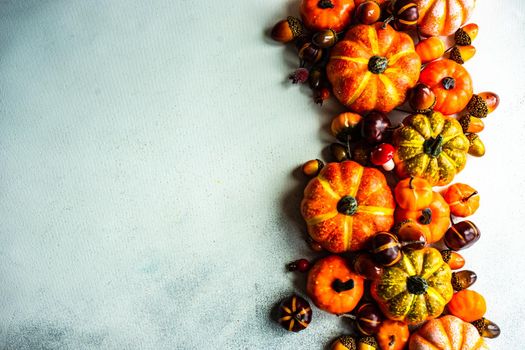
<point>443,17</point>
<point>318,15</point>
<point>430,49</point>
<point>462,199</point>
<point>413,193</point>
<point>333,286</point>
<point>450,82</point>
<point>434,219</point>
<point>467,305</point>
<point>393,335</point>
<point>447,333</point>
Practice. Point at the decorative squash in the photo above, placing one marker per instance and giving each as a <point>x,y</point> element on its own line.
<point>450,82</point>
<point>333,287</point>
<point>346,204</point>
<point>393,335</point>
<point>462,199</point>
<point>447,333</point>
<point>415,289</point>
<point>430,49</point>
<point>430,146</point>
<point>413,193</point>
<point>467,305</point>
<point>434,219</point>
<point>443,17</point>
<point>373,67</point>
<point>326,14</point>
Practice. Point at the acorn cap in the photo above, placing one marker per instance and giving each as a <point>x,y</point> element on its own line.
<point>477,107</point>
<point>370,341</point>
<point>455,55</point>
<point>477,148</point>
<point>348,342</point>
<point>446,255</point>
<point>462,38</point>
<point>296,26</point>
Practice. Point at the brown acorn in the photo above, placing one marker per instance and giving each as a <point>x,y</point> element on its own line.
<point>422,99</point>
<point>464,36</point>
<point>325,38</point>
<point>344,342</point>
<point>367,343</point>
<point>463,279</point>
<point>368,12</point>
<point>287,30</point>
<point>477,148</point>
<point>346,126</point>
<point>310,53</point>
<point>487,328</point>
<point>471,124</point>
<point>312,167</point>
<point>462,54</point>
<point>453,259</point>
<point>339,152</point>
<point>482,104</point>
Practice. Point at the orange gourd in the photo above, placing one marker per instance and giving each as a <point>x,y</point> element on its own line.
<point>467,305</point>
<point>393,335</point>
<point>462,199</point>
<point>450,82</point>
<point>443,17</point>
<point>373,67</point>
<point>318,15</point>
<point>433,219</point>
<point>346,204</point>
<point>333,286</point>
<point>430,49</point>
<point>447,333</point>
<point>413,193</point>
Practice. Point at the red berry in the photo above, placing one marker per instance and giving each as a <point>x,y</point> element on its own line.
<point>300,76</point>
<point>301,265</point>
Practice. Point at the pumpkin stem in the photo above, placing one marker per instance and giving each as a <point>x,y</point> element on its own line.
<point>448,83</point>
<point>433,147</point>
<point>426,216</point>
<point>325,4</point>
<point>340,286</point>
<point>386,21</point>
<point>348,150</point>
<point>472,195</point>
<point>417,285</point>
<point>418,34</point>
<point>410,183</point>
<point>347,205</point>
<point>377,64</point>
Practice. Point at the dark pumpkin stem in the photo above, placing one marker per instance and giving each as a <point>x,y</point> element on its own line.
<point>377,64</point>
<point>472,195</point>
<point>433,147</point>
<point>426,216</point>
<point>340,286</point>
<point>417,285</point>
<point>386,21</point>
<point>325,4</point>
<point>347,205</point>
<point>348,150</point>
<point>448,83</point>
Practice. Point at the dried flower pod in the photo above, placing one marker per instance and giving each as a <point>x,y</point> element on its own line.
<point>312,167</point>
<point>471,124</point>
<point>299,76</point>
<point>295,313</point>
<point>464,36</point>
<point>287,30</point>
<point>487,328</point>
<point>462,54</point>
<point>453,259</point>
<point>477,147</point>
<point>463,279</point>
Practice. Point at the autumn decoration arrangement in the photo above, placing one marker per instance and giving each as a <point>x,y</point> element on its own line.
<point>384,214</point>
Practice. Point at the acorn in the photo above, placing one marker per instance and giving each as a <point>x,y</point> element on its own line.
<point>477,148</point>
<point>463,279</point>
<point>310,53</point>
<point>422,99</point>
<point>482,104</point>
<point>312,167</point>
<point>462,54</point>
<point>344,342</point>
<point>287,30</point>
<point>295,313</point>
<point>471,124</point>
<point>368,12</point>
<point>367,343</point>
<point>315,78</point>
<point>487,328</point>
<point>411,235</point>
<point>346,126</point>
<point>339,152</point>
<point>325,38</point>
<point>464,36</point>
<point>462,235</point>
<point>453,259</point>
<point>361,154</point>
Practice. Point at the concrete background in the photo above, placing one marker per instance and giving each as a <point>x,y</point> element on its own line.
<point>148,175</point>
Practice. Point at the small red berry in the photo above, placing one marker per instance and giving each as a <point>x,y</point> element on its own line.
<point>301,265</point>
<point>300,76</point>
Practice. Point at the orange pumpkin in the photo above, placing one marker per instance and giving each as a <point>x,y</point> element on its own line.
<point>346,204</point>
<point>413,193</point>
<point>333,286</point>
<point>450,82</point>
<point>462,199</point>
<point>430,49</point>
<point>443,17</point>
<point>373,67</point>
<point>447,333</point>
<point>326,14</point>
<point>434,219</point>
<point>393,335</point>
<point>467,305</point>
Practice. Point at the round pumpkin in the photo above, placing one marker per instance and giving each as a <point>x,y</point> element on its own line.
<point>462,199</point>
<point>333,286</point>
<point>443,17</point>
<point>415,289</point>
<point>393,335</point>
<point>450,82</point>
<point>434,218</point>
<point>413,193</point>
<point>373,67</point>
<point>467,305</point>
<point>430,146</point>
<point>430,49</point>
<point>319,15</point>
<point>447,333</point>
<point>346,204</point>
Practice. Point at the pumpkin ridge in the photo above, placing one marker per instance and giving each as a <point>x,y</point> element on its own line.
<point>360,88</point>
<point>358,60</point>
<point>374,40</point>
<point>354,188</point>
<point>321,217</point>
<point>442,326</point>
<point>422,10</point>
<point>388,85</point>
<point>347,231</point>
<point>392,60</point>
<point>423,18</point>
<point>327,187</point>
<point>431,291</point>
<point>410,268</point>
<point>382,211</point>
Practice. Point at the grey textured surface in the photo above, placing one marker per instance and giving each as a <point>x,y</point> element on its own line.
<point>148,198</point>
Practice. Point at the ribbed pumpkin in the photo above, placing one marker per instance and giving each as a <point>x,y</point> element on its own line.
<point>443,17</point>
<point>373,67</point>
<point>430,146</point>
<point>346,204</point>
<point>447,333</point>
<point>415,289</point>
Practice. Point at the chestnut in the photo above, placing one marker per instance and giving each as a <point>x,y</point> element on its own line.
<point>368,319</point>
<point>462,235</point>
<point>374,127</point>
<point>295,313</point>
